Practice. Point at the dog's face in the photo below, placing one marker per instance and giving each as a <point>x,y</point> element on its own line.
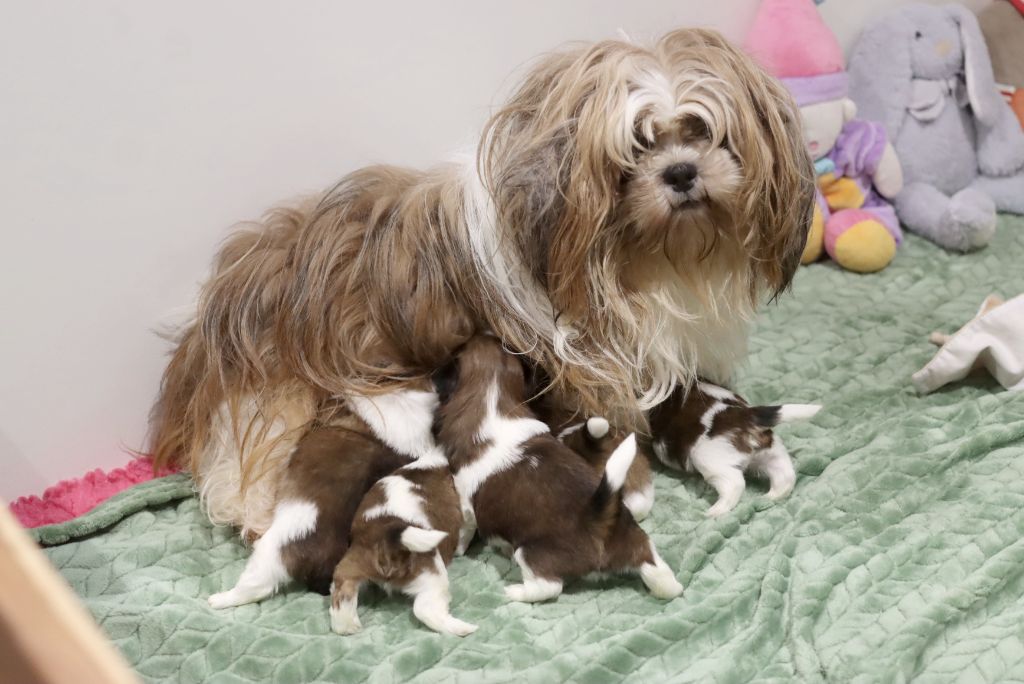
<point>613,155</point>
<point>680,173</point>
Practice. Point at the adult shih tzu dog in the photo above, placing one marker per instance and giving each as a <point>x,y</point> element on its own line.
<point>626,211</point>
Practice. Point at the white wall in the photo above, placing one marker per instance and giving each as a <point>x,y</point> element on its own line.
<point>133,134</point>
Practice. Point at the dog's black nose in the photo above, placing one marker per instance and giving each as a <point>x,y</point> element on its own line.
<point>680,176</point>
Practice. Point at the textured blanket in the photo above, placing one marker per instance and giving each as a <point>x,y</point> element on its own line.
<point>899,555</point>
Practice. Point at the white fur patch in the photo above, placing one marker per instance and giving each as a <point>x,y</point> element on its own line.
<point>506,437</point>
<point>431,600</point>
<point>709,416</point>
<point>790,412</point>
<point>570,430</point>
<point>640,502</point>
<point>345,618</point>
<point>264,571</point>
<point>497,263</point>
<point>598,427</point>
<point>400,501</point>
<point>659,578</point>
<point>419,540</point>
<point>434,457</point>
<point>219,479</point>
<point>722,466</point>
<point>716,392</point>
<point>533,588</point>
<point>402,420</point>
<point>618,464</point>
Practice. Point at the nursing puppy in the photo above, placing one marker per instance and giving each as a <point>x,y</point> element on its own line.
<point>404,537</point>
<point>715,432</point>
<point>519,485</point>
<point>595,441</point>
<point>327,475</point>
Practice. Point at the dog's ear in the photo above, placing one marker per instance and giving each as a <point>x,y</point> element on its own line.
<point>552,160</point>
<point>445,379</point>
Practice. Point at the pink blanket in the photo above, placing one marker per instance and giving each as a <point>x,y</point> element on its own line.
<point>71,498</point>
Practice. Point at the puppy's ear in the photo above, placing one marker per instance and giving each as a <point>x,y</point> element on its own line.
<point>419,540</point>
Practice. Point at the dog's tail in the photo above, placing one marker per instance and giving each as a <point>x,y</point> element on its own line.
<point>770,416</point>
<point>614,476</point>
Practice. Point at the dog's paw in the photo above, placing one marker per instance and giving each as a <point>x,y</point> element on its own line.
<point>660,581</point>
<point>639,503</point>
<point>344,621</point>
<point>459,628</point>
<point>224,599</point>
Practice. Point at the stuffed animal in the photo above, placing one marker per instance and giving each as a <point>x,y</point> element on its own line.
<point>857,168</point>
<point>1002,24</point>
<point>923,70</point>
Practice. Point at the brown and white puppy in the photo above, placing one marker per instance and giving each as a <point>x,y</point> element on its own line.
<point>595,441</point>
<point>714,431</point>
<point>404,537</point>
<point>519,485</point>
<point>327,476</point>
<point>624,214</point>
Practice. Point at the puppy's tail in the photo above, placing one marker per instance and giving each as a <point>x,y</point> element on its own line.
<point>614,475</point>
<point>770,416</point>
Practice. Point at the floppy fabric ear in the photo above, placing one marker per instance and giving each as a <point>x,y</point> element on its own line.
<point>985,98</point>
<point>880,72</point>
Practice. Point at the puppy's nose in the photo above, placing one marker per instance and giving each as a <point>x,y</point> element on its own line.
<point>680,176</point>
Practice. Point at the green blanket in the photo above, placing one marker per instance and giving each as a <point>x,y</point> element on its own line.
<point>899,555</point>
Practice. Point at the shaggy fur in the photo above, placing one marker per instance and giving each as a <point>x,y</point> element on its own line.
<point>563,237</point>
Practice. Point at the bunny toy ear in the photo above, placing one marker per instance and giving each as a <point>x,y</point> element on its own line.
<point>981,84</point>
<point>880,71</point>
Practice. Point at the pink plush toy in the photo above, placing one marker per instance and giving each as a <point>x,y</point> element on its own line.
<point>857,167</point>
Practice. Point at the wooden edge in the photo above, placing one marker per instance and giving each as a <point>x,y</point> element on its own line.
<point>53,639</point>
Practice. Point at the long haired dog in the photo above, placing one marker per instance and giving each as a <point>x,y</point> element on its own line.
<point>625,212</point>
<point>595,440</point>
<point>326,477</point>
<point>717,433</point>
<point>404,537</point>
<point>522,487</point>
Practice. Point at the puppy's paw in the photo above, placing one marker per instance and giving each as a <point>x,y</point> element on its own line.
<point>534,591</point>
<point>660,581</point>
<point>225,599</point>
<point>719,509</point>
<point>640,503</point>
<point>458,628</point>
<point>344,621</point>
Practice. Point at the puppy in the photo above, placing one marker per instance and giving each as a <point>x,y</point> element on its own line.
<point>595,441</point>
<point>404,537</point>
<point>519,485</point>
<point>715,432</point>
<point>327,475</point>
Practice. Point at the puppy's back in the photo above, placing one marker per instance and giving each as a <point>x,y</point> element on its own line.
<point>333,467</point>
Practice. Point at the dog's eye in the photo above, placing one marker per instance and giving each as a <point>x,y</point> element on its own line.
<point>696,128</point>
<point>918,35</point>
<point>641,141</point>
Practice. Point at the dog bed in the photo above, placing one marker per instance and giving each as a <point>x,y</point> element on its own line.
<point>899,555</point>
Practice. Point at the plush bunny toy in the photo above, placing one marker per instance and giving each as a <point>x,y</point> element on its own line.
<point>924,72</point>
